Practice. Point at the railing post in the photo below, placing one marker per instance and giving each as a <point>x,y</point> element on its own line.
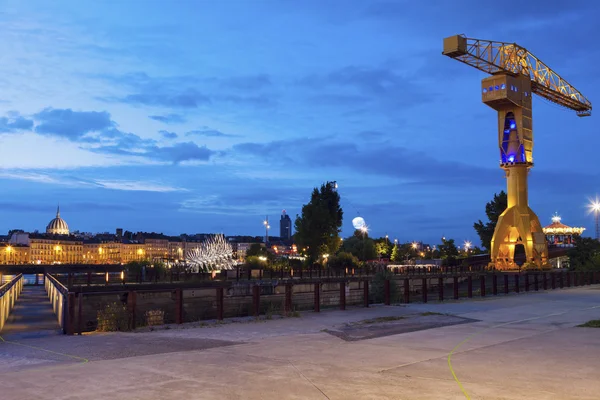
<point>482,285</point>
<point>406,290</point>
<point>575,280</point>
<point>424,289</point>
<point>517,289</point>
<point>256,300</point>
<point>342,295</point>
<point>527,282</point>
<point>366,292</point>
<point>506,288</point>
<point>441,288</point>
<point>386,292</point>
<point>79,312</point>
<point>545,281</point>
<point>552,280</point>
<point>178,306</point>
<point>561,280</point>
<point>455,286</point>
<point>288,297</point>
<point>494,284</point>
<point>535,282</point>
<point>568,274</point>
<point>131,302</point>
<point>220,304</point>
<point>469,286</point>
<point>317,297</point>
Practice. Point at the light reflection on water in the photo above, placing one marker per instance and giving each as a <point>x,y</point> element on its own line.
<point>29,279</point>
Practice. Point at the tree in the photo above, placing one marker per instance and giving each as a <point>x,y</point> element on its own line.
<point>361,248</point>
<point>256,249</point>
<point>342,260</point>
<point>448,251</point>
<point>493,209</point>
<point>585,256</point>
<point>318,228</point>
<point>382,246</point>
<point>395,254</point>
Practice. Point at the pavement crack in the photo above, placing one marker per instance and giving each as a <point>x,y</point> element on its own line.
<point>308,380</point>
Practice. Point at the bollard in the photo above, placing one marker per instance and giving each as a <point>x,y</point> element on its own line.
<point>482,285</point>
<point>455,287</point>
<point>288,297</point>
<point>424,289</point>
<point>366,292</point>
<point>535,282</point>
<point>441,288</point>
<point>494,284</point>
<point>469,286</point>
<point>220,303</point>
<point>526,282</point>
<point>256,300</point>
<point>317,297</point>
<point>517,289</point>
<point>386,292</point>
<point>178,306</point>
<point>406,290</point>
<point>343,294</point>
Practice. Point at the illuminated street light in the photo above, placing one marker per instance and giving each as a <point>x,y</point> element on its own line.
<point>467,245</point>
<point>415,245</point>
<point>594,207</point>
<point>267,226</point>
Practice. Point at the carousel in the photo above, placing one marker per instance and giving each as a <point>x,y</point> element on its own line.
<point>561,235</point>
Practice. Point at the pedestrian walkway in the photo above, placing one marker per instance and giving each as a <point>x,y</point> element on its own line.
<point>32,316</point>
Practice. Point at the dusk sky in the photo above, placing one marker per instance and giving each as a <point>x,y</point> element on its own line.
<point>197,116</point>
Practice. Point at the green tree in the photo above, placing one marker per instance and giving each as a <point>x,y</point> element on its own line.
<point>342,260</point>
<point>493,209</point>
<point>395,254</point>
<point>382,247</point>
<point>448,251</point>
<point>318,228</point>
<point>361,248</point>
<point>585,256</point>
<point>256,249</point>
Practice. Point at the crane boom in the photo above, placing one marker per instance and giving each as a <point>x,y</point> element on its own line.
<point>499,57</point>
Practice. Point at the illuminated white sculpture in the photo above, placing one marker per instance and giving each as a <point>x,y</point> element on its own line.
<point>214,254</point>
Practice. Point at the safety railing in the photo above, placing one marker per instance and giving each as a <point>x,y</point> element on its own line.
<point>9,293</point>
<point>57,293</point>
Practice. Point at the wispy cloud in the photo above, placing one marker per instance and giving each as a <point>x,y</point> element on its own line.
<point>169,118</point>
<point>207,132</point>
<point>168,135</point>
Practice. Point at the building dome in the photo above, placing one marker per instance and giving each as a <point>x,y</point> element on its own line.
<point>57,226</point>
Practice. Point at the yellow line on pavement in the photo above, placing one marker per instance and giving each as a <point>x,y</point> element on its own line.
<point>83,360</point>
<point>460,385</point>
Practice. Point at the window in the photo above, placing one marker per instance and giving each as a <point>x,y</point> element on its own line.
<point>484,90</point>
<point>503,86</point>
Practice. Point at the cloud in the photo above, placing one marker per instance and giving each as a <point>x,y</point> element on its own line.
<point>73,125</point>
<point>168,135</point>
<point>205,131</point>
<point>15,123</point>
<point>72,181</point>
<point>168,119</point>
<point>250,82</point>
<point>186,99</point>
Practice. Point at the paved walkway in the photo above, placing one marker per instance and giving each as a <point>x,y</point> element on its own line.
<point>32,316</point>
<point>525,346</point>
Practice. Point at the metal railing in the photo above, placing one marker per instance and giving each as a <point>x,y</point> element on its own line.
<point>57,293</point>
<point>9,293</point>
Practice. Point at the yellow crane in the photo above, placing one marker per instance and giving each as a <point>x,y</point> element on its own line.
<point>516,75</point>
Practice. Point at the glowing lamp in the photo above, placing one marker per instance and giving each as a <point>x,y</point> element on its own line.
<point>512,125</point>
<point>511,158</point>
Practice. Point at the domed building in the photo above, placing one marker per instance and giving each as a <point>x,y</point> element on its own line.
<point>57,226</point>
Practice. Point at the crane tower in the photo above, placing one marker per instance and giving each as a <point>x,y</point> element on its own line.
<point>516,75</point>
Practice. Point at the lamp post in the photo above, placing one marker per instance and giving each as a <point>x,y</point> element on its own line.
<point>267,226</point>
<point>467,245</point>
<point>594,207</point>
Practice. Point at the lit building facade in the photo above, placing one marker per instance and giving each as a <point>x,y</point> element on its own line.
<point>285,226</point>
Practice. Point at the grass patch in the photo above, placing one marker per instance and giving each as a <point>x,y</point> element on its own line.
<point>595,323</point>
<point>424,314</point>
<point>379,320</point>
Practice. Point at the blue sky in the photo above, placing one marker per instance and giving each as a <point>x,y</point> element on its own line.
<point>192,116</point>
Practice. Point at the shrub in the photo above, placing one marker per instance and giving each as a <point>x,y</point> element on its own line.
<point>114,317</point>
<point>377,291</point>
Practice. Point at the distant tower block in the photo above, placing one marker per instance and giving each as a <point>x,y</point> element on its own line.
<point>285,226</point>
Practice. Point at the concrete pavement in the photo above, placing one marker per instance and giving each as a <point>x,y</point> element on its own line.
<point>524,346</point>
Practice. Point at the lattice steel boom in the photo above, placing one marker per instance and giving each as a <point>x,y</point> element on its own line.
<point>500,57</point>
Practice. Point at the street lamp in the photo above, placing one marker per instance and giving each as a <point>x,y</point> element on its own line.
<point>267,226</point>
<point>467,245</point>
<point>594,207</point>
